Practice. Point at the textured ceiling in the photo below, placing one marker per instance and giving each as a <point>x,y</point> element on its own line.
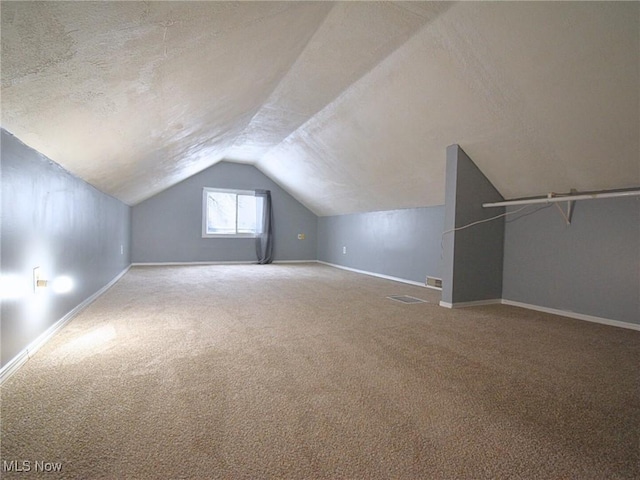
<point>349,106</point>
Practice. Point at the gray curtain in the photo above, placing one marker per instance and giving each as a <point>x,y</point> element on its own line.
<point>264,227</point>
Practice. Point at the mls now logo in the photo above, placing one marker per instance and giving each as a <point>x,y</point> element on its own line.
<point>28,466</point>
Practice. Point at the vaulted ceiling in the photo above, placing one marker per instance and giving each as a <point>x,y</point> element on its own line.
<point>349,106</point>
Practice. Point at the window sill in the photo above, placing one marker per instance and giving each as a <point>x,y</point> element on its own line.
<point>229,235</point>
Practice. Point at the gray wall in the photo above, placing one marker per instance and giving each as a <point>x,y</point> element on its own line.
<point>590,267</point>
<point>472,264</point>
<point>400,243</point>
<point>53,220</point>
<point>168,226</point>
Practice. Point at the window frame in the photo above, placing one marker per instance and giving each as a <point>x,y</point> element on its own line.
<point>205,192</point>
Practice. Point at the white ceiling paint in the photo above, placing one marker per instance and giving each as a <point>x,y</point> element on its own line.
<point>349,106</point>
<point>352,40</point>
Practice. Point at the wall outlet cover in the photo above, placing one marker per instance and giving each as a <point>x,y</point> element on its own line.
<point>37,275</point>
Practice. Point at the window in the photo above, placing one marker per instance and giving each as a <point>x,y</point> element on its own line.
<point>230,213</point>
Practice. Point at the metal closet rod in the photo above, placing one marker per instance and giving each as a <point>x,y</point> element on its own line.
<point>554,198</point>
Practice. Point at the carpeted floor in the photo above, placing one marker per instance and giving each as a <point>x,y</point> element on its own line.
<point>309,372</point>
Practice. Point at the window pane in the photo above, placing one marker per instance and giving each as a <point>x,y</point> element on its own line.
<point>246,214</point>
<point>259,214</point>
<point>221,213</point>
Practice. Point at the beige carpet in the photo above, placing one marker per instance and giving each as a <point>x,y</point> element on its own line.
<point>308,372</point>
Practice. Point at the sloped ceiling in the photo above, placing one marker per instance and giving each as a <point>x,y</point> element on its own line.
<point>349,106</point>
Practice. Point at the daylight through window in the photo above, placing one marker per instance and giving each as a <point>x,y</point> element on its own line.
<point>230,213</point>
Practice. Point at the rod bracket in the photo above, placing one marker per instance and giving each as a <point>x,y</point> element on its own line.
<point>570,204</point>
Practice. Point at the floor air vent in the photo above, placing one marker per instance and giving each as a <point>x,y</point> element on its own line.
<point>433,282</point>
<point>406,299</point>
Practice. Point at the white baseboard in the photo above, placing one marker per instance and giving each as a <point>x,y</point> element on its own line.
<point>16,362</point>
<point>275,262</point>
<point>577,316</point>
<point>477,303</point>
<point>239,262</point>
<point>553,311</point>
<point>373,274</point>
<point>187,264</point>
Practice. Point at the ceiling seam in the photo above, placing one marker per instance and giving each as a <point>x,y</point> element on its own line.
<point>277,84</point>
<point>351,85</point>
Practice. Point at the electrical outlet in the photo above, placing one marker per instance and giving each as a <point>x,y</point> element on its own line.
<point>344,250</point>
<point>37,275</point>
<point>121,249</point>
<point>301,236</point>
